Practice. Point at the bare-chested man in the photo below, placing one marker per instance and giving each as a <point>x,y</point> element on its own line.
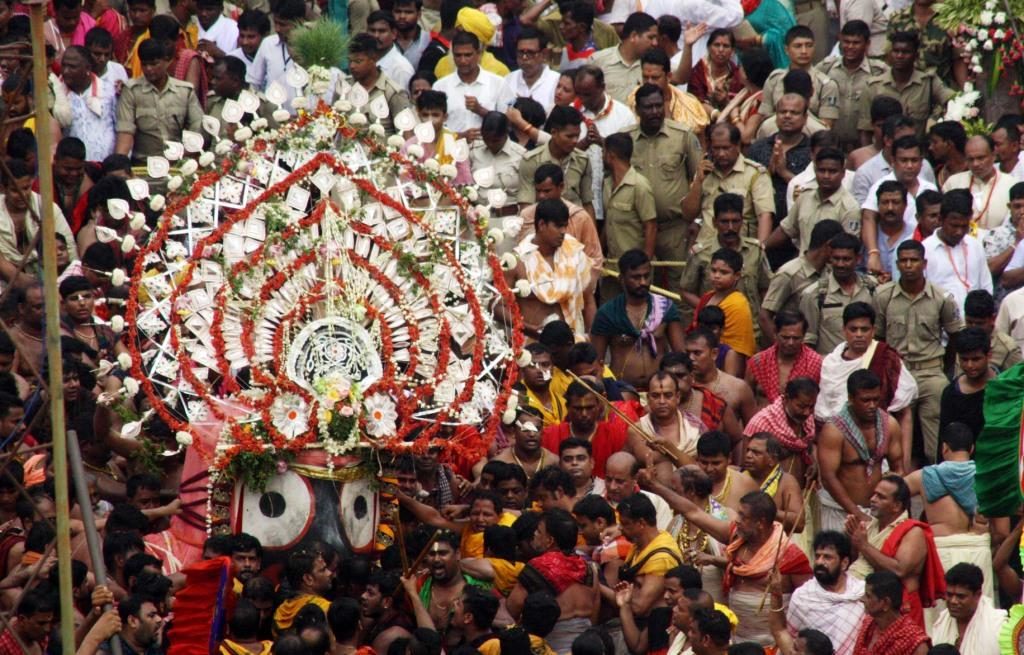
<point>851,448</point>
<point>702,346</point>
<point>558,567</point>
<point>788,358</point>
<point>892,541</point>
<point>526,449</point>
<point>675,431</point>
<point>728,484</point>
<point>443,585</point>
<point>761,462</point>
<point>790,419</point>
<point>951,505</point>
<point>637,325</point>
<point>565,290</point>
<point>714,413</point>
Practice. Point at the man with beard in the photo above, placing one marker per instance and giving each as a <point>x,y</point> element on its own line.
<point>969,620</point>
<point>526,449</point>
<point>761,461</point>
<point>728,221</point>
<point>638,326</point>
<point>589,422</point>
<point>664,427</point>
<point>443,585</point>
<point>887,629</point>
<point>567,576</point>
<point>894,542</point>
<point>822,303</point>
<point>727,171</point>
<point>757,546</point>
<point>769,371</point>
<point>858,352</point>
<point>380,621</point>
<point>912,312</point>
<point>574,456</point>
<point>831,601</point>
<point>790,419</point>
<point>141,627</point>
<point>850,451</point>
<point>246,559</point>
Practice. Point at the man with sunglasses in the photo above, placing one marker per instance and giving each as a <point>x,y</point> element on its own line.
<point>533,79</point>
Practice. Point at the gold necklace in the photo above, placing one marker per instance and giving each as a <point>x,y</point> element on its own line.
<point>540,464</point>
<point>686,542</point>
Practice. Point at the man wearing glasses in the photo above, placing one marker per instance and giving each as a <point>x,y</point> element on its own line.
<point>533,79</point>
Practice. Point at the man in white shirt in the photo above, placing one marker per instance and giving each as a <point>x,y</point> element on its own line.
<point>881,164</point>
<point>1006,139</point>
<point>253,27</point>
<point>606,116</point>
<point>218,34</point>
<point>715,14</point>
<point>273,59</point>
<point>806,180</point>
<point>93,105</point>
<point>100,45</point>
<point>381,25</point>
<point>471,90</point>
<point>533,79</point>
<point>956,260</point>
<point>412,38</point>
<point>989,187</point>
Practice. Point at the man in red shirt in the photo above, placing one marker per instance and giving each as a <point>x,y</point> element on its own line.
<point>587,419</point>
<point>885,629</point>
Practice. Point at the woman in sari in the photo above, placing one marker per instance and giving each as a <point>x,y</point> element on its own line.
<point>742,109</point>
<point>771,19</point>
<point>715,78</point>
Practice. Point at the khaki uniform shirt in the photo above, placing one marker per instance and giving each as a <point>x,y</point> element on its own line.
<point>824,97</point>
<point>922,97</point>
<point>396,97</point>
<point>626,208</point>
<point>788,283</point>
<point>669,160</point>
<point>754,277</point>
<point>810,208</point>
<point>156,117</point>
<point>824,311</point>
<point>505,165</point>
<point>852,86</point>
<point>215,108</point>
<point>620,78</point>
<point>578,184</point>
<point>747,179</point>
<point>604,35</point>
<point>1005,351</point>
<point>913,325</point>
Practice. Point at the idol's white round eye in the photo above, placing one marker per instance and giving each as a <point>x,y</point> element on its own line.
<point>359,512</point>
<point>280,515</point>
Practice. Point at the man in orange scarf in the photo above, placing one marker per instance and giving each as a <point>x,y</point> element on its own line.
<point>757,545</point>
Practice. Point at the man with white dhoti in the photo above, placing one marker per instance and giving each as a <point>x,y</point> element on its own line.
<point>970,622</point>
<point>951,504</point>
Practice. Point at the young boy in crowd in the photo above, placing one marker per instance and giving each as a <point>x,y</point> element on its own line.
<point>726,267</point>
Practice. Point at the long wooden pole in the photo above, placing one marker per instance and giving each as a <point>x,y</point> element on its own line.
<point>654,289</point>
<point>41,97</point>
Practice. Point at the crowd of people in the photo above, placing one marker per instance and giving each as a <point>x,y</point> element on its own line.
<point>762,296</point>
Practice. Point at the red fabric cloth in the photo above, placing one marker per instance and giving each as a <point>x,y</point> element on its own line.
<point>792,560</point>
<point>774,419</point>
<point>201,608</point>
<point>932,582</point>
<point>609,438</point>
<point>559,569</point>
<point>900,638</point>
<point>712,408</point>
<point>185,57</point>
<point>764,367</point>
<point>886,364</point>
<point>698,84</point>
<point>9,645</point>
<point>749,6</point>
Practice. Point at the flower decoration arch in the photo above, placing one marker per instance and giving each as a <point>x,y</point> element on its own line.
<point>311,287</point>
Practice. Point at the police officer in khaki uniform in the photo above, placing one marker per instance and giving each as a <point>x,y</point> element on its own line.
<point>913,314</point>
<point>921,93</point>
<point>823,303</point>
<point>824,102</point>
<point>154,108</point>
<point>630,211</point>
<point>851,70</point>
<point>755,276</point>
<point>729,172</point>
<point>362,63</point>
<point>829,201</point>
<point>227,81</point>
<point>497,152</point>
<point>668,155</point>
<point>564,126</point>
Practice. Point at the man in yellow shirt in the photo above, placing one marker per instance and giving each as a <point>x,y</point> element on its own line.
<point>653,554</point>
<point>309,576</point>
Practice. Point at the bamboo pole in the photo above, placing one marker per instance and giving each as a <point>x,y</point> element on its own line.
<point>654,289</point>
<point>92,537</point>
<point>41,93</point>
